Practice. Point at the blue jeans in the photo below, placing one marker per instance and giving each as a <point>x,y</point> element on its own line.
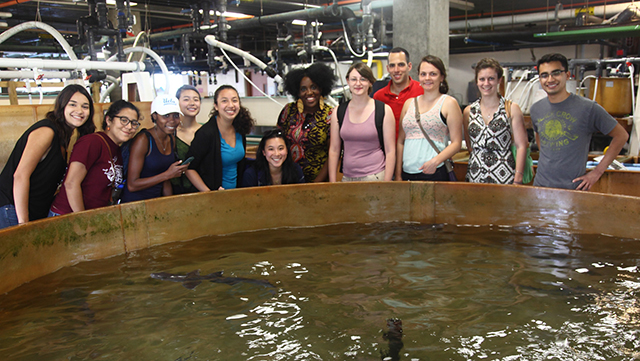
<point>53,214</point>
<point>8,216</point>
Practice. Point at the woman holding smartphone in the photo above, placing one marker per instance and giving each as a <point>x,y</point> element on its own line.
<point>152,161</point>
<point>189,99</point>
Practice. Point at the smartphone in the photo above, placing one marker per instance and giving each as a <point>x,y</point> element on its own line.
<point>187,161</point>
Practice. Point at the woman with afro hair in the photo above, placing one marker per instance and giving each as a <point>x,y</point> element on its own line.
<point>307,121</point>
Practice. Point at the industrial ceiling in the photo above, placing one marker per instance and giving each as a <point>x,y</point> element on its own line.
<point>177,28</point>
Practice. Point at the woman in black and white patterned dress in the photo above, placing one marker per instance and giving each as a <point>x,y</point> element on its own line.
<point>488,131</point>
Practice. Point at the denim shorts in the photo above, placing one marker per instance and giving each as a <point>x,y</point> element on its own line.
<point>8,216</point>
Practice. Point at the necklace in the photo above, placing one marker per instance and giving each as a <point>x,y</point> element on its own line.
<point>488,113</point>
<point>164,147</point>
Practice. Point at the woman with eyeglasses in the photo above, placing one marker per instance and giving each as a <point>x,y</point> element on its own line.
<point>307,121</point>
<point>273,164</point>
<point>366,133</point>
<point>439,117</point>
<point>38,160</point>
<point>491,128</point>
<point>152,161</point>
<point>189,99</point>
<point>95,166</point>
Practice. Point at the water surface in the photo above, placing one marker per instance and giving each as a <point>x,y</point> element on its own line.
<point>462,293</point>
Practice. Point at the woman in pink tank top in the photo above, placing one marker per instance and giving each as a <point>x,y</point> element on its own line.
<point>364,158</point>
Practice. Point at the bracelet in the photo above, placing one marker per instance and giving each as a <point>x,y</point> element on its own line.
<point>514,182</point>
<point>519,172</point>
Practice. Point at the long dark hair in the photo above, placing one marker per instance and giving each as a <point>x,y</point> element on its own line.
<point>289,174</point>
<point>57,114</point>
<point>115,108</point>
<point>439,64</point>
<point>243,122</point>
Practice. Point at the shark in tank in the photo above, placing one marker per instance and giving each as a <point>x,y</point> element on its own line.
<point>194,278</point>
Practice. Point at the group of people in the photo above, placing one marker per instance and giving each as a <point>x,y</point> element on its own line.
<point>406,131</point>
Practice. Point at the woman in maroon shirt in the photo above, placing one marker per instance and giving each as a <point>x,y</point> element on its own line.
<point>95,167</point>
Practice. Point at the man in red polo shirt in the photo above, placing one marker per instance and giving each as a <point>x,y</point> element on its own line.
<point>401,87</point>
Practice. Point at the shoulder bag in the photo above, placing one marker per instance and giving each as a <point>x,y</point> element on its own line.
<point>448,163</point>
<point>527,173</point>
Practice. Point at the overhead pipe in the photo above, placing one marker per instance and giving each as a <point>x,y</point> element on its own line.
<point>152,54</point>
<point>30,74</point>
<point>40,25</point>
<point>534,17</point>
<point>13,2</point>
<point>332,11</point>
<point>211,40</point>
<point>70,64</point>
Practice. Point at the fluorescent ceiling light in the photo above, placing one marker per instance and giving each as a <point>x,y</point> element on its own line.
<point>306,5</point>
<point>461,4</point>
<point>304,23</point>
<point>228,14</point>
<point>113,2</point>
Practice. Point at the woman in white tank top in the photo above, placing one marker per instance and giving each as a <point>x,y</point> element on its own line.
<point>440,117</point>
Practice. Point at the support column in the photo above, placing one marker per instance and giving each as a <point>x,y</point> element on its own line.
<point>422,27</point>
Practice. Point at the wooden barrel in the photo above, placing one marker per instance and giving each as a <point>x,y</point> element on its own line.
<point>614,94</point>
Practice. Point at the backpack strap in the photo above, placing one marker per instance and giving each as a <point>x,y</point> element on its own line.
<point>342,109</point>
<point>379,118</point>
<point>507,108</point>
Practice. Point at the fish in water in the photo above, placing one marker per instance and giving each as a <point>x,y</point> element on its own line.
<point>194,278</point>
<point>394,337</point>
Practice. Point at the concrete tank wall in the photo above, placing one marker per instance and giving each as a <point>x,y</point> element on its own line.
<point>41,247</point>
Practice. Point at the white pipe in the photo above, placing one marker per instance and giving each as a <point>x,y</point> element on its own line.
<point>335,60</point>
<point>39,25</point>
<point>155,57</point>
<point>611,9</point>
<point>115,82</point>
<point>346,39</point>
<point>525,102</point>
<point>12,74</point>
<point>70,64</point>
<point>247,78</point>
<point>585,78</point>
<point>524,75</point>
<point>211,40</point>
<point>135,44</point>
<point>595,89</point>
<point>633,99</point>
<point>634,140</point>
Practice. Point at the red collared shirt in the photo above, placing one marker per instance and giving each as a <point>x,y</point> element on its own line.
<point>396,101</point>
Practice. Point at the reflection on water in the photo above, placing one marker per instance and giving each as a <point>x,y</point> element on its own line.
<point>462,293</point>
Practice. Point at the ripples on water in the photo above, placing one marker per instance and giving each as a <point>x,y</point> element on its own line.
<point>463,293</point>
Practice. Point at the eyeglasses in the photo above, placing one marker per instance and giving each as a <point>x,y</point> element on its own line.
<point>556,73</point>
<point>125,121</point>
